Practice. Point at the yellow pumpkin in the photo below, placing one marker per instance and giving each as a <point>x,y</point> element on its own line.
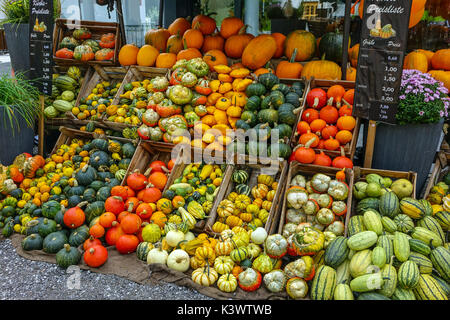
<point>322,69</point>
<point>416,60</point>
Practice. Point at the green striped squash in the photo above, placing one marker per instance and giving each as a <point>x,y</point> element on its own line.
<point>401,246</point>
<point>239,254</point>
<point>386,243</point>
<point>443,218</point>
<point>412,208</point>
<point>143,249</point>
<point>440,257</point>
<point>378,257</point>
<point>343,292</point>
<point>362,240</point>
<point>336,252</point>
<point>243,189</point>
<point>355,225</point>
<point>389,204</point>
<point>367,282</point>
<point>404,223</point>
<point>360,262</point>
<point>323,284</point>
<point>343,272</point>
<point>419,246</point>
<point>403,294</point>
<point>389,274</point>
<point>372,296</point>
<point>429,289</point>
<point>366,204</point>
<point>388,224</point>
<point>433,225</point>
<point>444,284</point>
<point>408,275</point>
<point>426,236</point>
<point>425,265</point>
<point>428,209</point>
<point>372,222</point>
<point>239,176</point>
<point>319,258</point>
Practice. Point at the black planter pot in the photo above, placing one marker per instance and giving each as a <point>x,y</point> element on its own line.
<point>409,147</point>
<point>14,141</point>
<point>286,26</point>
<point>17,40</point>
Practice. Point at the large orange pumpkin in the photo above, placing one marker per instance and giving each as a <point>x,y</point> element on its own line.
<point>174,43</point>
<point>128,55</point>
<point>304,41</point>
<point>416,60</point>
<point>279,39</point>
<point>289,69</point>
<point>205,24</point>
<point>258,51</point>
<point>441,59</point>
<point>230,26</point>
<point>429,54</point>
<point>235,45</point>
<point>443,76</point>
<point>179,25</point>
<point>353,55</point>
<point>166,60</point>
<point>322,69</point>
<point>214,58</point>
<point>157,38</point>
<point>213,42</point>
<point>193,38</point>
<point>188,53</point>
<point>147,56</point>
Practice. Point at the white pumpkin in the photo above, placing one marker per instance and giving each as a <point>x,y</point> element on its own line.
<point>259,235</point>
<point>223,264</point>
<point>157,255</point>
<point>178,260</point>
<point>189,236</point>
<point>205,276</point>
<point>174,237</point>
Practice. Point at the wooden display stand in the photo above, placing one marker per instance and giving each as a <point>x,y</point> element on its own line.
<point>440,169</point>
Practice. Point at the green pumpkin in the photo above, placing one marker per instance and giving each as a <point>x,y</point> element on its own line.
<point>94,210</point>
<point>169,194</point>
<point>99,158</point>
<point>16,193</point>
<point>68,256</point>
<point>293,98</point>
<point>8,229</point>
<point>100,144</point>
<point>253,103</point>
<point>78,236</point>
<point>90,127</point>
<point>112,182</point>
<point>75,191</point>
<point>284,130</point>
<point>32,242</point>
<point>69,43</point>
<point>243,189</point>
<point>143,249</point>
<point>54,242</point>
<point>285,89</point>
<point>331,46</point>
<point>8,211</point>
<point>103,193</point>
<point>74,200</point>
<point>86,175</point>
<point>286,114</point>
<point>50,209</point>
<point>266,103</point>
<point>298,88</point>
<point>96,185</point>
<point>262,131</point>
<point>102,176</point>
<point>59,219</point>
<point>128,150</point>
<point>282,149</point>
<point>276,99</point>
<point>255,89</point>
<point>124,163</point>
<point>250,118</point>
<point>89,195</point>
<point>269,116</point>
<point>241,124</point>
<point>93,44</point>
<point>268,80</point>
<point>46,227</point>
<point>240,176</point>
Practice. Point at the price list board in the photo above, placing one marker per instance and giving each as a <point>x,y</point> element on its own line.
<point>41,30</point>
<point>380,61</point>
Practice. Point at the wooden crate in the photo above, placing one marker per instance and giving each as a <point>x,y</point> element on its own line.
<point>308,171</point>
<point>350,147</point>
<point>275,168</point>
<point>65,27</point>
<point>440,169</point>
<point>360,175</point>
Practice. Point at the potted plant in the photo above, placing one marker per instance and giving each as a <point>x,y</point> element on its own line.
<point>18,111</point>
<point>16,25</point>
<point>411,145</point>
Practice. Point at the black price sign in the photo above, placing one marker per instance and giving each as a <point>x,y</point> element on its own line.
<point>41,30</point>
<point>380,61</point>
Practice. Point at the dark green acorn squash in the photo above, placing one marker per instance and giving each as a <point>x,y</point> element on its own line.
<point>124,163</point>
<point>286,114</point>
<point>8,229</point>
<point>269,116</point>
<point>94,209</point>
<point>241,124</point>
<point>32,242</point>
<point>78,236</point>
<point>298,88</point>
<point>103,175</point>
<point>255,89</point>
<point>276,99</point>
<point>89,195</point>
<point>54,242</point>
<point>253,103</point>
<point>16,193</point>
<point>268,80</point>
<point>46,227</point>
<point>293,98</point>
<point>262,131</point>
<point>96,185</point>
<point>285,89</point>
<point>266,103</point>
<point>74,200</point>
<point>59,219</point>
<point>50,209</point>
<point>112,182</point>
<point>283,150</point>
<point>68,256</point>
<point>76,191</point>
<point>100,144</point>
<point>250,118</point>
<point>284,130</point>
<point>169,194</point>
<point>99,158</point>
<point>128,150</point>
<point>86,175</point>
<point>103,193</point>
<point>331,46</point>
<point>69,43</point>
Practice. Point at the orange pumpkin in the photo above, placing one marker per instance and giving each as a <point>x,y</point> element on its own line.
<point>214,58</point>
<point>353,55</point>
<point>179,25</point>
<point>188,53</point>
<point>443,76</point>
<point>159,218</point>
<point>235,45</point>
<point>213,42</point>
<point>416,60</point>
<point>128,55</point>
<point>279,39</point>
<point>259,71</point>
<point>147,56</point>
<point>166,60</point>
<point>259,51</point>
<point>174,43</point>
<point>322,69</point>
<point>193,38</point>
<point>204,23</point>
<point>429,54</point>
<point>157,38</point>
<point>350,74</point>
<point>441,59</point>
<point>304,41</point>
<point>289,69</point>
<point>230,26</point>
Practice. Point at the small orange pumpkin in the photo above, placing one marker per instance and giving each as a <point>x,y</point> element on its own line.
<point>128,55</point>
<point>157,38</point>
<point>230,26</point>
<point>259,51</point>
<point>147,56</point>
<point>214,58</point>
<point>193,38</point>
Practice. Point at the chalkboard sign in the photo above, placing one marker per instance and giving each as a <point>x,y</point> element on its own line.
<point>384,33</point>
<point>41,30</point>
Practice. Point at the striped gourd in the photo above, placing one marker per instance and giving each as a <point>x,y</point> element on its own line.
<point>360,263</point>
<point>319,258</point>
<point>386,243</point>
<point>343,272</point>
<point>367,282</point>
<point>428,209</point>
<point>362,240</point>
<point>433,225</point>
<point>355,225</point>
<point>389,274</point>
<point>239,176</point>
<point>425,265</point>
<point>243,189</point>
<point>239,254</point>
<point>404,223</point>
<point>412,208</point>
<point>323,284</point>
<point>408,275</point>
<point>343,292</point>
<point>143,249</point>
<point>388,224</point>
<point>444,284</point>
<point>403,294</point>
<point>372,296</point>
<point>426,236</point>
<point>351,253</point>
<point>443,218</point>
<point>336,252</point>
<point>429,289</point>
<point>372,222</point>
<point>389,204</point>
<point>440,257</point>
<point>378,257</point>
<point>419,246</point>
<point>401,246</point>
<point>366,204</point>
